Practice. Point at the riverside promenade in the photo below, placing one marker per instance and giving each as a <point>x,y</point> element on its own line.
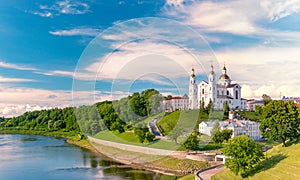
<point>133,148</point>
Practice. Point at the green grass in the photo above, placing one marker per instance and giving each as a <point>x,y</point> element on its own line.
<point>131,139</point>
<point>188,120</point>
<point>254,116</point>
<point>180,164</point>
<point>128,136</point>
<point>145,121</point>
<point>188,177</point>
<point>282,163</point>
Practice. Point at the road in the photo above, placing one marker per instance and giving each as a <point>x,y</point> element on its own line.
<point>153,127</point>
<point>206,175</point>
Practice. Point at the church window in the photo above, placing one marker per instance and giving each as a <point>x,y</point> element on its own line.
<point>202,91</point>
<point>236,94</point>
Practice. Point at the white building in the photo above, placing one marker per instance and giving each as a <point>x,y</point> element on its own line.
<point>193,101</point>
<point>251,104</point>
<point>175,103</point>
<point>215,91</point>
<point>238,127</point>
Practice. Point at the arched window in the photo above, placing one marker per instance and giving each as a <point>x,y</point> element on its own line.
<point>202,91</point>
<point>236,94</point>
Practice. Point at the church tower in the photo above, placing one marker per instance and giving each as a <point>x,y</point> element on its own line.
<point>193,104</point>
<point>212,85</point>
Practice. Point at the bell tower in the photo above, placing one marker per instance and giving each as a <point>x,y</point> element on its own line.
<point>193,104</point>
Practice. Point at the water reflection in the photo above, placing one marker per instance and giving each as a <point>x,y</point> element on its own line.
<point>39,157</point>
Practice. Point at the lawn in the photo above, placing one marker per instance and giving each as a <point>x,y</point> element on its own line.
<point>254,116</point>
<point>282,163</point>
<point>188,120</point>
<point>132,139</point>
<point>188,177</point>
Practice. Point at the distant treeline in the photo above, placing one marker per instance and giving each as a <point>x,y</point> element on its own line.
<point>119,115</point>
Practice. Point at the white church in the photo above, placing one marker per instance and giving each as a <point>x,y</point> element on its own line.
<point>216,91</point>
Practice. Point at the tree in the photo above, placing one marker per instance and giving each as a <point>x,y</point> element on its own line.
<point>149,137</point>
<point>215,128</point>
<point>280,121</point>
<point>259,109</point>
<point>192,142</point>
<point>218,137</point>
<point>226,110</point>
<point>266,99</point>
<point>175,133</point>
<point>210,107</point>
<point>243,153</point>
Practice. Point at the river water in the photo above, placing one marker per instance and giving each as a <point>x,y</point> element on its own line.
<point>40,157</point>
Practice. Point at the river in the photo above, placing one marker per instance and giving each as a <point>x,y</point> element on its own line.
<point>42,157</point>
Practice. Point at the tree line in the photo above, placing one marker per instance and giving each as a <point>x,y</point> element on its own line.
<point>118,115</point>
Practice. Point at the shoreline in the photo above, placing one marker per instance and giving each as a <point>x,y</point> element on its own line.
<point>87,145</point>
<point>84,143</point>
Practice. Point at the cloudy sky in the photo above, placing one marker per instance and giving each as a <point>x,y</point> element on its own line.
<point>71,52</point>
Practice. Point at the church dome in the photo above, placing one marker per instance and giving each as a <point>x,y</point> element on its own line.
<point>224,77</point>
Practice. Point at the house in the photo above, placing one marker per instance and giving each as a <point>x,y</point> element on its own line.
<point>238,127</point>
<point>175,103</point>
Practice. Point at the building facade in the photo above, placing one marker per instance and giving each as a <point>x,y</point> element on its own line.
<point>175,103</point>
<point>216,91</point>
<point>238,127</point>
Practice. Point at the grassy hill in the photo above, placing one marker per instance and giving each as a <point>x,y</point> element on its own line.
<point>254,116</point>
<point>282,163</point>
<point>188,120</point>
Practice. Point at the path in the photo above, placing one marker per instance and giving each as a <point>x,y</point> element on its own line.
<point>153,127</point>
<point>206,175</point>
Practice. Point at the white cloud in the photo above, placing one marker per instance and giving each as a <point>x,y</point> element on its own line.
<point>76,32</point>
<point>280,8</point>
<point>174,2</point>
<point>63,7</point>
<point>6,79</point>
<point>15,66</point>
<point>270,70</point>
<point>43,14</point>
<point>233,16</point>
<point>143,59</point>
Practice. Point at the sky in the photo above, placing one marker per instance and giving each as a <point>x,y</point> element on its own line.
<point>63,53</point>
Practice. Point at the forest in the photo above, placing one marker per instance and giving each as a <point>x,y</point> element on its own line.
<point>118,115</point>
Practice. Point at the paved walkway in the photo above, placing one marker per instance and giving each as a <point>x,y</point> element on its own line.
<point>206,175</point>
<point>153,127</point>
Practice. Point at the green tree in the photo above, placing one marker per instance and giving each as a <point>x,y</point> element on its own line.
<point>259,109</point>
<point>149,137</point>
<point>218,137</point>
<point>242,154</point>
<point>266,98</point>
<point>215,128</point>
<point>209,107</point>
<point>175,133</point>
<point>226,110</point>
<point>280,121</point>
<point>192,142</point>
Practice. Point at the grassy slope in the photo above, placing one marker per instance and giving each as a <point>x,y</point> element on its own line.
<point>132,139</point>
<point>254,116</point>
<point>188,177</point>
<point>282,163</point>
<point>188,120</point>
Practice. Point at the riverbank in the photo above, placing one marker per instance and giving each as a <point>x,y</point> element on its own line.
<point>168,165</point>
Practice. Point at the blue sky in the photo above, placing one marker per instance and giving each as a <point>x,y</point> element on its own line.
<point>42,42</point>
